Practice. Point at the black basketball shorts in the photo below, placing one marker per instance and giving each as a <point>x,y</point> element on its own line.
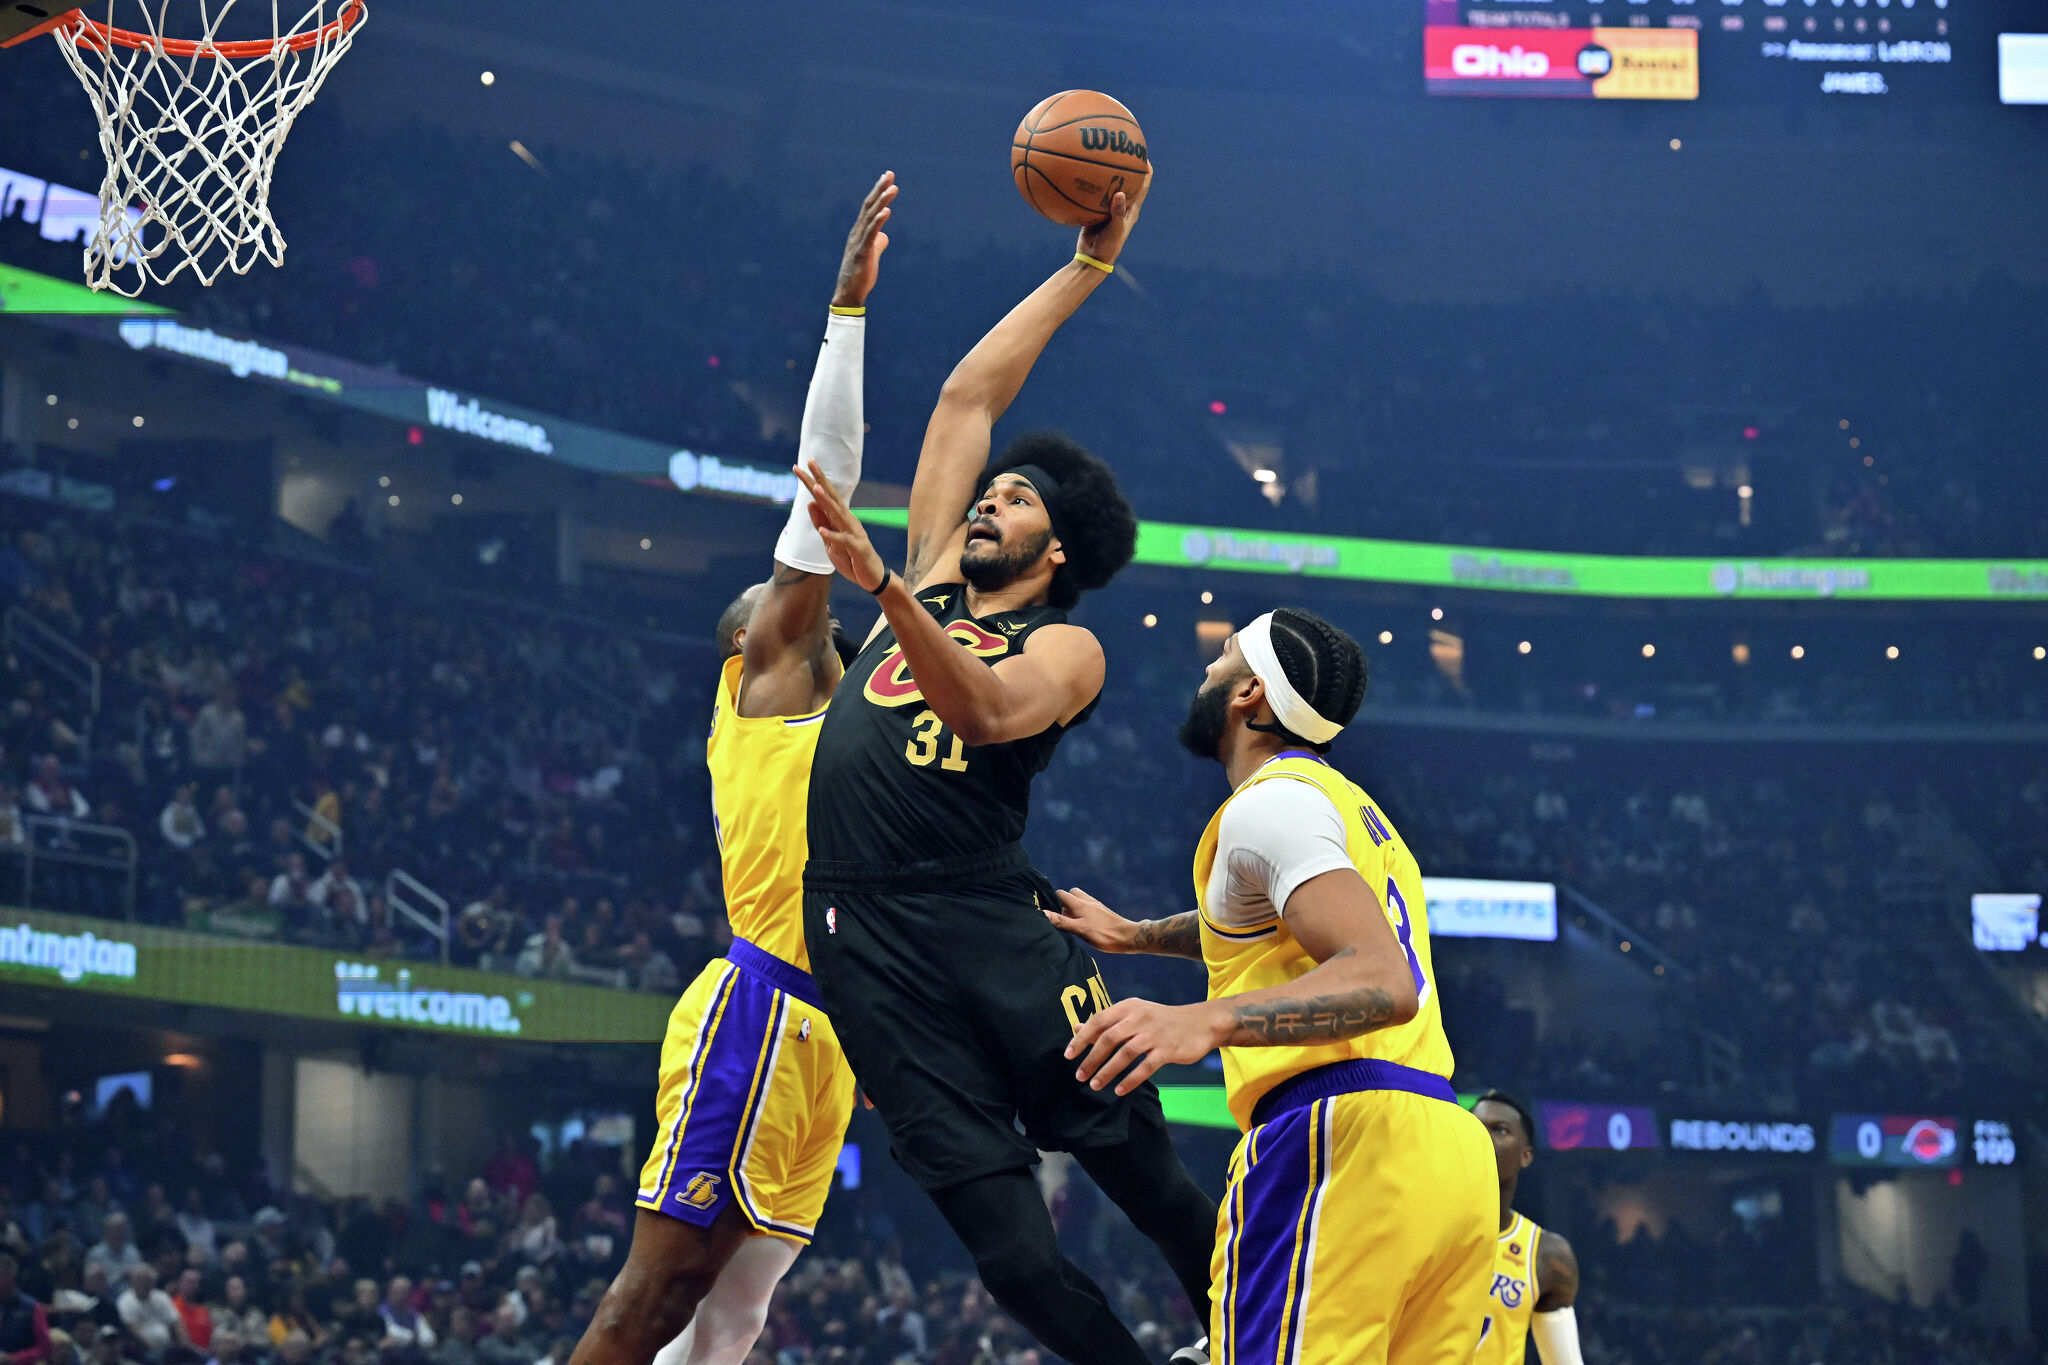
<point>955,1008</point>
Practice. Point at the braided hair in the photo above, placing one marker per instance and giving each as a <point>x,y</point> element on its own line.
<point>1324,664</point>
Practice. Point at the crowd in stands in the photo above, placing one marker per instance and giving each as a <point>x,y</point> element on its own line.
<point>279,737</point>
<point>1411,419</point>
<point>176,1257</point>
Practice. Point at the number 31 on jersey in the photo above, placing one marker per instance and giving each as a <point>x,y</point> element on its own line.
<point>927,737</point>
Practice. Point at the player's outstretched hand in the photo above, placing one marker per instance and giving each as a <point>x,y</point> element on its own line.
<point>846,540</point>
<point>865,245</point>
<point>1105,240</point>
<point>1134,1038</point>
<point>1089,920</point>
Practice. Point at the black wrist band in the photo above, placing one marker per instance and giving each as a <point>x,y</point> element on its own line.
<point>881,587</point>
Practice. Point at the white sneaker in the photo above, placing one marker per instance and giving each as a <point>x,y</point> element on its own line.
<point>1197,1354</point>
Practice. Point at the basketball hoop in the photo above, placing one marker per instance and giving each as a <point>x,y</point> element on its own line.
<point>191,128</point>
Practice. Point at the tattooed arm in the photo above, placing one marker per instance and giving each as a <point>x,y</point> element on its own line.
<point>1102,928</point>
<point>1361,982</point>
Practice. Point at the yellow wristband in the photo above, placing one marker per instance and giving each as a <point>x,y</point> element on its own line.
<point>856,311</point>
<point>1085,259</point>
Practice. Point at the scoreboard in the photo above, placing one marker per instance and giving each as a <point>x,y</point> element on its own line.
<point>1710,49</point>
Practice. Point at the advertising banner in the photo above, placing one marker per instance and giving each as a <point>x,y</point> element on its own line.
<point>73,309</point>
<point>74,953</point>
<point>1568,63</point>
<point>1180,546</point>
<point>1464,907</point>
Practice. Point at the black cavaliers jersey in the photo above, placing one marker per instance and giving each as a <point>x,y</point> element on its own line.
<point>891,784</point>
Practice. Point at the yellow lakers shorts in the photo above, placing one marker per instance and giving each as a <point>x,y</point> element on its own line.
<point>1358,1227</point>
<point>755,1099</point>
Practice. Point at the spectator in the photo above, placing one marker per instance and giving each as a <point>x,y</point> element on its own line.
<point>546,953</point>
<point>220,734</point>
<point>115,1250</point>
<point>180,823</point>
<point>92,1302</point>
<point>24,1326</point>
<point>507,1344</point>
<point>363,1318</point>
<point>236,1310</point>
<point>13,832</point>
<point>339,897</point>
<point>288,889</point>
<point>229,1348</point>
<point>459,1347</point>
<point>293,1318</point>
<point>148,1313</point>
<point>534,1239</point>
<point>51,793</point>
<point>404,1327</point>
<point>195,1227</point>
<point>650,969</point>
<point>192,1312</point>
<point>296,1348</point>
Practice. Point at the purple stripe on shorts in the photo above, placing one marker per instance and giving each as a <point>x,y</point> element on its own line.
<point>698,1185</point>
<point>1272,1236</point>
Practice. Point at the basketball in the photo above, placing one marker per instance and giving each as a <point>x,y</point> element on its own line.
<point>1074,152</point>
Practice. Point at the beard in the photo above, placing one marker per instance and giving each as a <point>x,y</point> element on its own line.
<point>1201,734</point>
<point>994,572</point>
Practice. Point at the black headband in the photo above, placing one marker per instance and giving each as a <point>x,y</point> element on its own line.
<point>1045,485</point>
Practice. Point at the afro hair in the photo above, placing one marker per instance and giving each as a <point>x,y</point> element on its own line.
<point>1098,529</point>
<point>1324,663</point>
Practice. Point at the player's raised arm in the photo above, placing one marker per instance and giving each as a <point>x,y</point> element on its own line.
<point>790,666</point>
<point>981,387</point>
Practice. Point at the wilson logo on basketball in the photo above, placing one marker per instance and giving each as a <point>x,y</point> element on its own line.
<point>891,684</point>
<point>1111,140</point>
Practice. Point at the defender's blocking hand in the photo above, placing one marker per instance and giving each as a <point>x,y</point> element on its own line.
<point>1089,920</point>
<point>865,244</point>
<point>846,540</point>
<point>1134,1038</point>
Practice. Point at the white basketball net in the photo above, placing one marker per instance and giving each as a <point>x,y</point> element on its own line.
<point>191,124</point>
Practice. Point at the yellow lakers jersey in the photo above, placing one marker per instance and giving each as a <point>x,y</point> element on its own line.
<point>760,787</point>
<point>1511,1298</point>
<point>1252,957</point>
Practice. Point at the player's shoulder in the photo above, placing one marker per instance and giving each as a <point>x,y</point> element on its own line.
<point>1278,802</point>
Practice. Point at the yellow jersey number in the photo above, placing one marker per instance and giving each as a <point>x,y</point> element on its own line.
<point>924,744</point>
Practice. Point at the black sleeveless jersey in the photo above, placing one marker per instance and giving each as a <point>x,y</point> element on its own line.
<point>891,784</point>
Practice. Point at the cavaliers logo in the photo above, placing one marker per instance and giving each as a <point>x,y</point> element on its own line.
<point>702,1190</point>
<point>891,684</point>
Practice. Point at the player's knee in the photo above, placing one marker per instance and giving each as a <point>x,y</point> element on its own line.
<point>1014,1258</point>
<point>648,1303</point>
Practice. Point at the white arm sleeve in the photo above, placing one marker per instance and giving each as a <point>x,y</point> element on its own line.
<point>831,435</point>
<point>1557,1336</point>
<point>1276,836</point>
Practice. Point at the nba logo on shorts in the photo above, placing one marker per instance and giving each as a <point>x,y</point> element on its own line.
<point>702,1189</point>
<point>831,919</point>
<point>803,1032</point>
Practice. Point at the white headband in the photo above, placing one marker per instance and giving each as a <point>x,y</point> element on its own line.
<point>1255,641</point>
